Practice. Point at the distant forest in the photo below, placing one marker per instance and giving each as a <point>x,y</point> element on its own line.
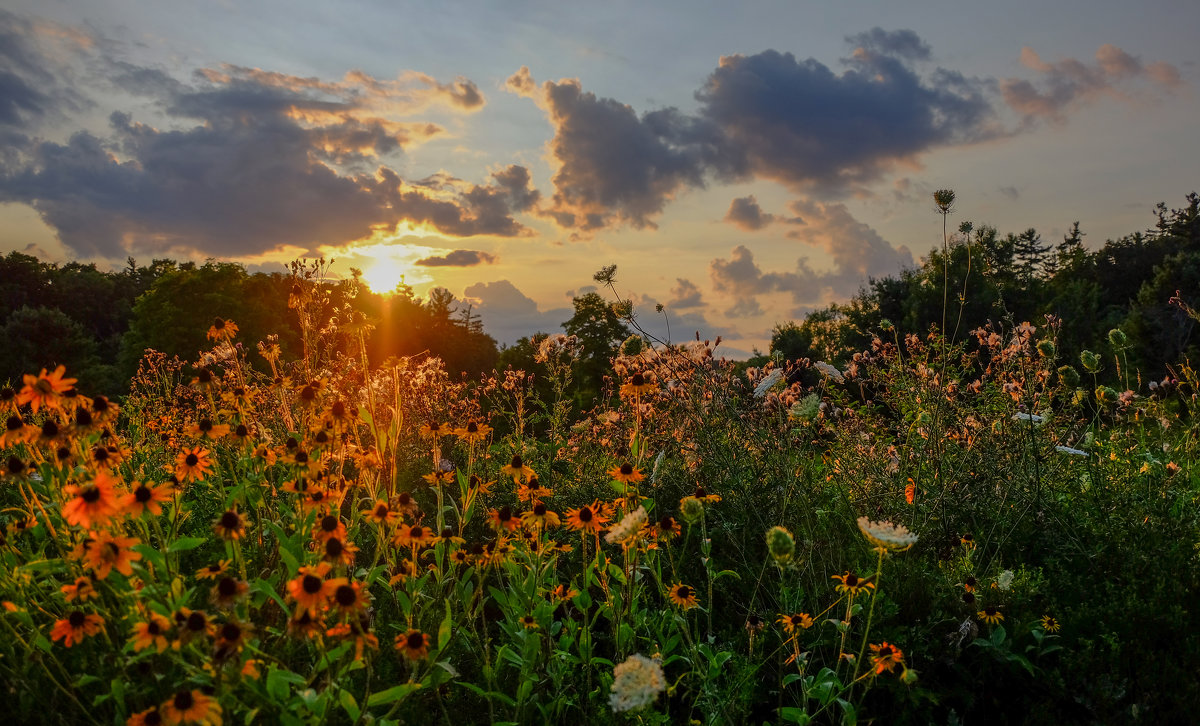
<point>98,323</point>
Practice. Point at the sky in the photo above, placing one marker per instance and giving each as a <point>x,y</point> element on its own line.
<point>741,164</point>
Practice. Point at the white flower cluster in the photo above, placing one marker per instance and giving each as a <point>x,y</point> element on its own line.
<point>636,683</point>
<point>628,528</point>
<point>553,344</point>
<point>1069,450</point>
<point>1005,579</point>
<point>887,535</point>
<point>1032,418</point>
<point>830,371</point>
<point>768,380</point>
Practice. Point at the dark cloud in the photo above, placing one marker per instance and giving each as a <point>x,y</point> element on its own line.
<point>30,89</point>
<point>1010,192</point>
<point>745,213</point>
<point>899,43</point>
<point>1063,84</point>
<point>459,258</point>
<point>256,161</point>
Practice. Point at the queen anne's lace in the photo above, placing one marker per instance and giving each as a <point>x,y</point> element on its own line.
<point>636,683</point>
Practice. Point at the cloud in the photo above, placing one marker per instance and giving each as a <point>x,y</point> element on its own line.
<point>1067,83</point>
<point>509,314</point>
<point>253,161</point>
<point>685,295</point>
<point>899,43</point>
<point>1010,192</point>
<point>459,258</point>
<point>522,83</point>
<point>30,67</point>
<point>745,213</point>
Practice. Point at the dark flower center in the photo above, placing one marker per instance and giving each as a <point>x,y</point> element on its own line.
<point>851,580</point>
<point>205,425</point>
<point>291,443</point>
<point>416,641</point>
<point>49,429</point>
<point>184,701</point>
<point>539,509</point>
<point>197,622</point>
<point>241,431</point>
<point>231,632</point>
<point>227,587</point>
<point>100,454</point>
<point>204,376</point>
<point>14,423</point>
<point>91,495</point>
<point>153,628</point>
<point>472,427</point>
<point>345,595</point>
<point>191,460</point>
<point>62,453</point>
<point>338,409</point>
<point>417,532</point>
<point>15,466</point>
<point>153,718</point>
<point>99,404</point>
<point>405,499</point>
<point>312,584</point>
<point>83,418</point>
<point>142,494</point>
<point>700,493</point>
<point>308,393</point>
<point>329,523</point>
<point>381,511</point>
<point>7,394</point>
<point>447,532</point>
<point>667,523</point>
<point>585,514</point>
<point>968,597</point>
<point>517,463</point>
<point>684,592</point>
<point>301,457</point>
<point>504,514</point>
<point>638,379</point>
<point>321,437</point>
<point>218,323</point>
<point>886,651</point>
<point>77,619</point>
<point>334,547</point>
<point>626,468</point>
<point>231,520</point>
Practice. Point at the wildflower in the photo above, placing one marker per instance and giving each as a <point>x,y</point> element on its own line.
<point>780,544</point>
<point>803,621</point>
<point>306,624</point>
<point>81,590</point>
<point>991,615</point>
<point>626,473</point>
<point>435,431</point>
<point>806,409</point>
<point>93,503</point>
<point>310,589</point>
<point>108,552</point>
<point>562,593</point>
<point>666,528</point>
<point>885,657</point>
<point>150,632</point>
<point>338,551</point>
<point>416,535</point>
<point>1032,418</point>
<point>222,330</point>
<point>149,717</point>
<point>145,498</point>
<point>405,504</point>
<point>588,518</point>
<point>852,584</point>
<point>1069,450</point>
<point>517,469</point>
<point>188,707</point>
<point>45,389</point>
<point>910,491</point>
<point>529,622</point>
<point>329,527</point>
<point>76,626</point>
<point>1069,376</point>
<point>231,638</point>
<point>228,591</point>
<point>532,490</point>
<point>230,526</point>
<point>703,495</point>
<point>767,382</point>
<point>970,583</point>
<point>638,385</point>
<point>683,595</point>
<point>1050,624</point>
<point>14,469</point>
<point>692,509</point>
<point>829,371</point>
<point>1090,361</point>
<point>1005,580</point>
<point>628,528</point>
<point>213,571</point>
<point>503,519</point>
<point>473,432</point>
<point>348,597</point>
<point>358,629</point>
<point>636,683</point>
<point>887,536</point>
<point>382,514</point>
<point>413,644</point>
<point>16,431</point>
<point>968,540</point>
<point>539,517</point>
<point>192,465</point>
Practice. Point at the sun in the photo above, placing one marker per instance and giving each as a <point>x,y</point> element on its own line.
<point>384,274</point>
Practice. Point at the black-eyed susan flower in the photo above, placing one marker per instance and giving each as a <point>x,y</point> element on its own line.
<point>517,469</point>
<point>439,477</point>
<point>529,622</point>
<point>107,552</point>
<point>664,528</point>
<point>150,632</point>
<point>148,717</point>
<point>991,615</point>
<point>82,590</point>
<point>213,571</point>
<point>852,584</point>
<point>192,624</point>
<point>970,583</point>
<point>539,517</point>
<point>412,535</point>
<point>191,707</point>
<point>45,389</point>
<point>705,496</point>
<point>434,431</point>
<point>791,623</point>
<point>503,519</point>
<point>192,465</point>
<point>16,431</point>
<point>885,657</point>
<point>310,589</point>
<point>473,432</point>
<point>337,551</point>
<point>306,624</point>
<point>413,644</point>
<point>405,505</point>
<point>222,329</point>
<point>382,514</point>
<point>356,630</point>
<point>144,497</point>
<point>92,503</point>
<point>626,473</point>
<point>230,526</point>
<point>639,384</point>
<point>1050,624</point>
<point>532,490</point>
<point>227,592</point>
<point>328,527</point>
<point>76,626</point>
<point>683,595</point>
<point>589,518</point>
<point>206,429</point>
<point>231,637</point>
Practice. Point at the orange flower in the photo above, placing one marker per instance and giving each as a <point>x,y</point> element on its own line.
<point>107,552</point>
<point>504,519</point>
<point>191,707</point>
<point>588,518</point>
<point>228,591</point>
<point>192,624</point>
<point>193,465</point>
<point>885,657</point>
<point>638,385</point>
<point>310,589</point>
<point>382,514</point>
<point>93,503</point>
<point>413,645</point>
<point>222,330</point>
<point>151,632</point>
<point>336,551</point>
<point>16,431</point>
<point>329,527</point>
<point>626,473</point>
<point>45,389</point>
<point>363,638</point>
<point>82,590</point>
<point>803,621</point>
<point>539,517</point>
<point>683,595</point>
<point>230,526</point>
<point>852,583</point>
<point>206,429</point>
<point>76,626</point>
<point>517,469</point>
<point>348,597</point>
<point>145,498</point>
<point>412,536</point>
<point>213,571</point>
<point>473,432</point>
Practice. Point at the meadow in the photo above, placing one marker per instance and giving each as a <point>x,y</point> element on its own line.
<point>938,529</point>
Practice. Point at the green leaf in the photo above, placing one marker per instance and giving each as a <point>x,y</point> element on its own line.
<point>791,714</point>
<point>349,705</point>
<point>183,544</point>
<point>393,694</point>
<point>443,637</point>
<point>262,586</point>
<point>277,683</point>
<point>151,555</point>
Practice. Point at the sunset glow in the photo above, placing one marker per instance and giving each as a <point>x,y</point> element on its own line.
<point>384,274</point>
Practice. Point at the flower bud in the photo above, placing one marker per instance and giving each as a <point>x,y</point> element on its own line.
<point>1090,361</point>
<point>1068,375</point>
<point>781,545</point>
<point>692,509</point>
<point>1045,348</point>
<point>1118,338</point>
